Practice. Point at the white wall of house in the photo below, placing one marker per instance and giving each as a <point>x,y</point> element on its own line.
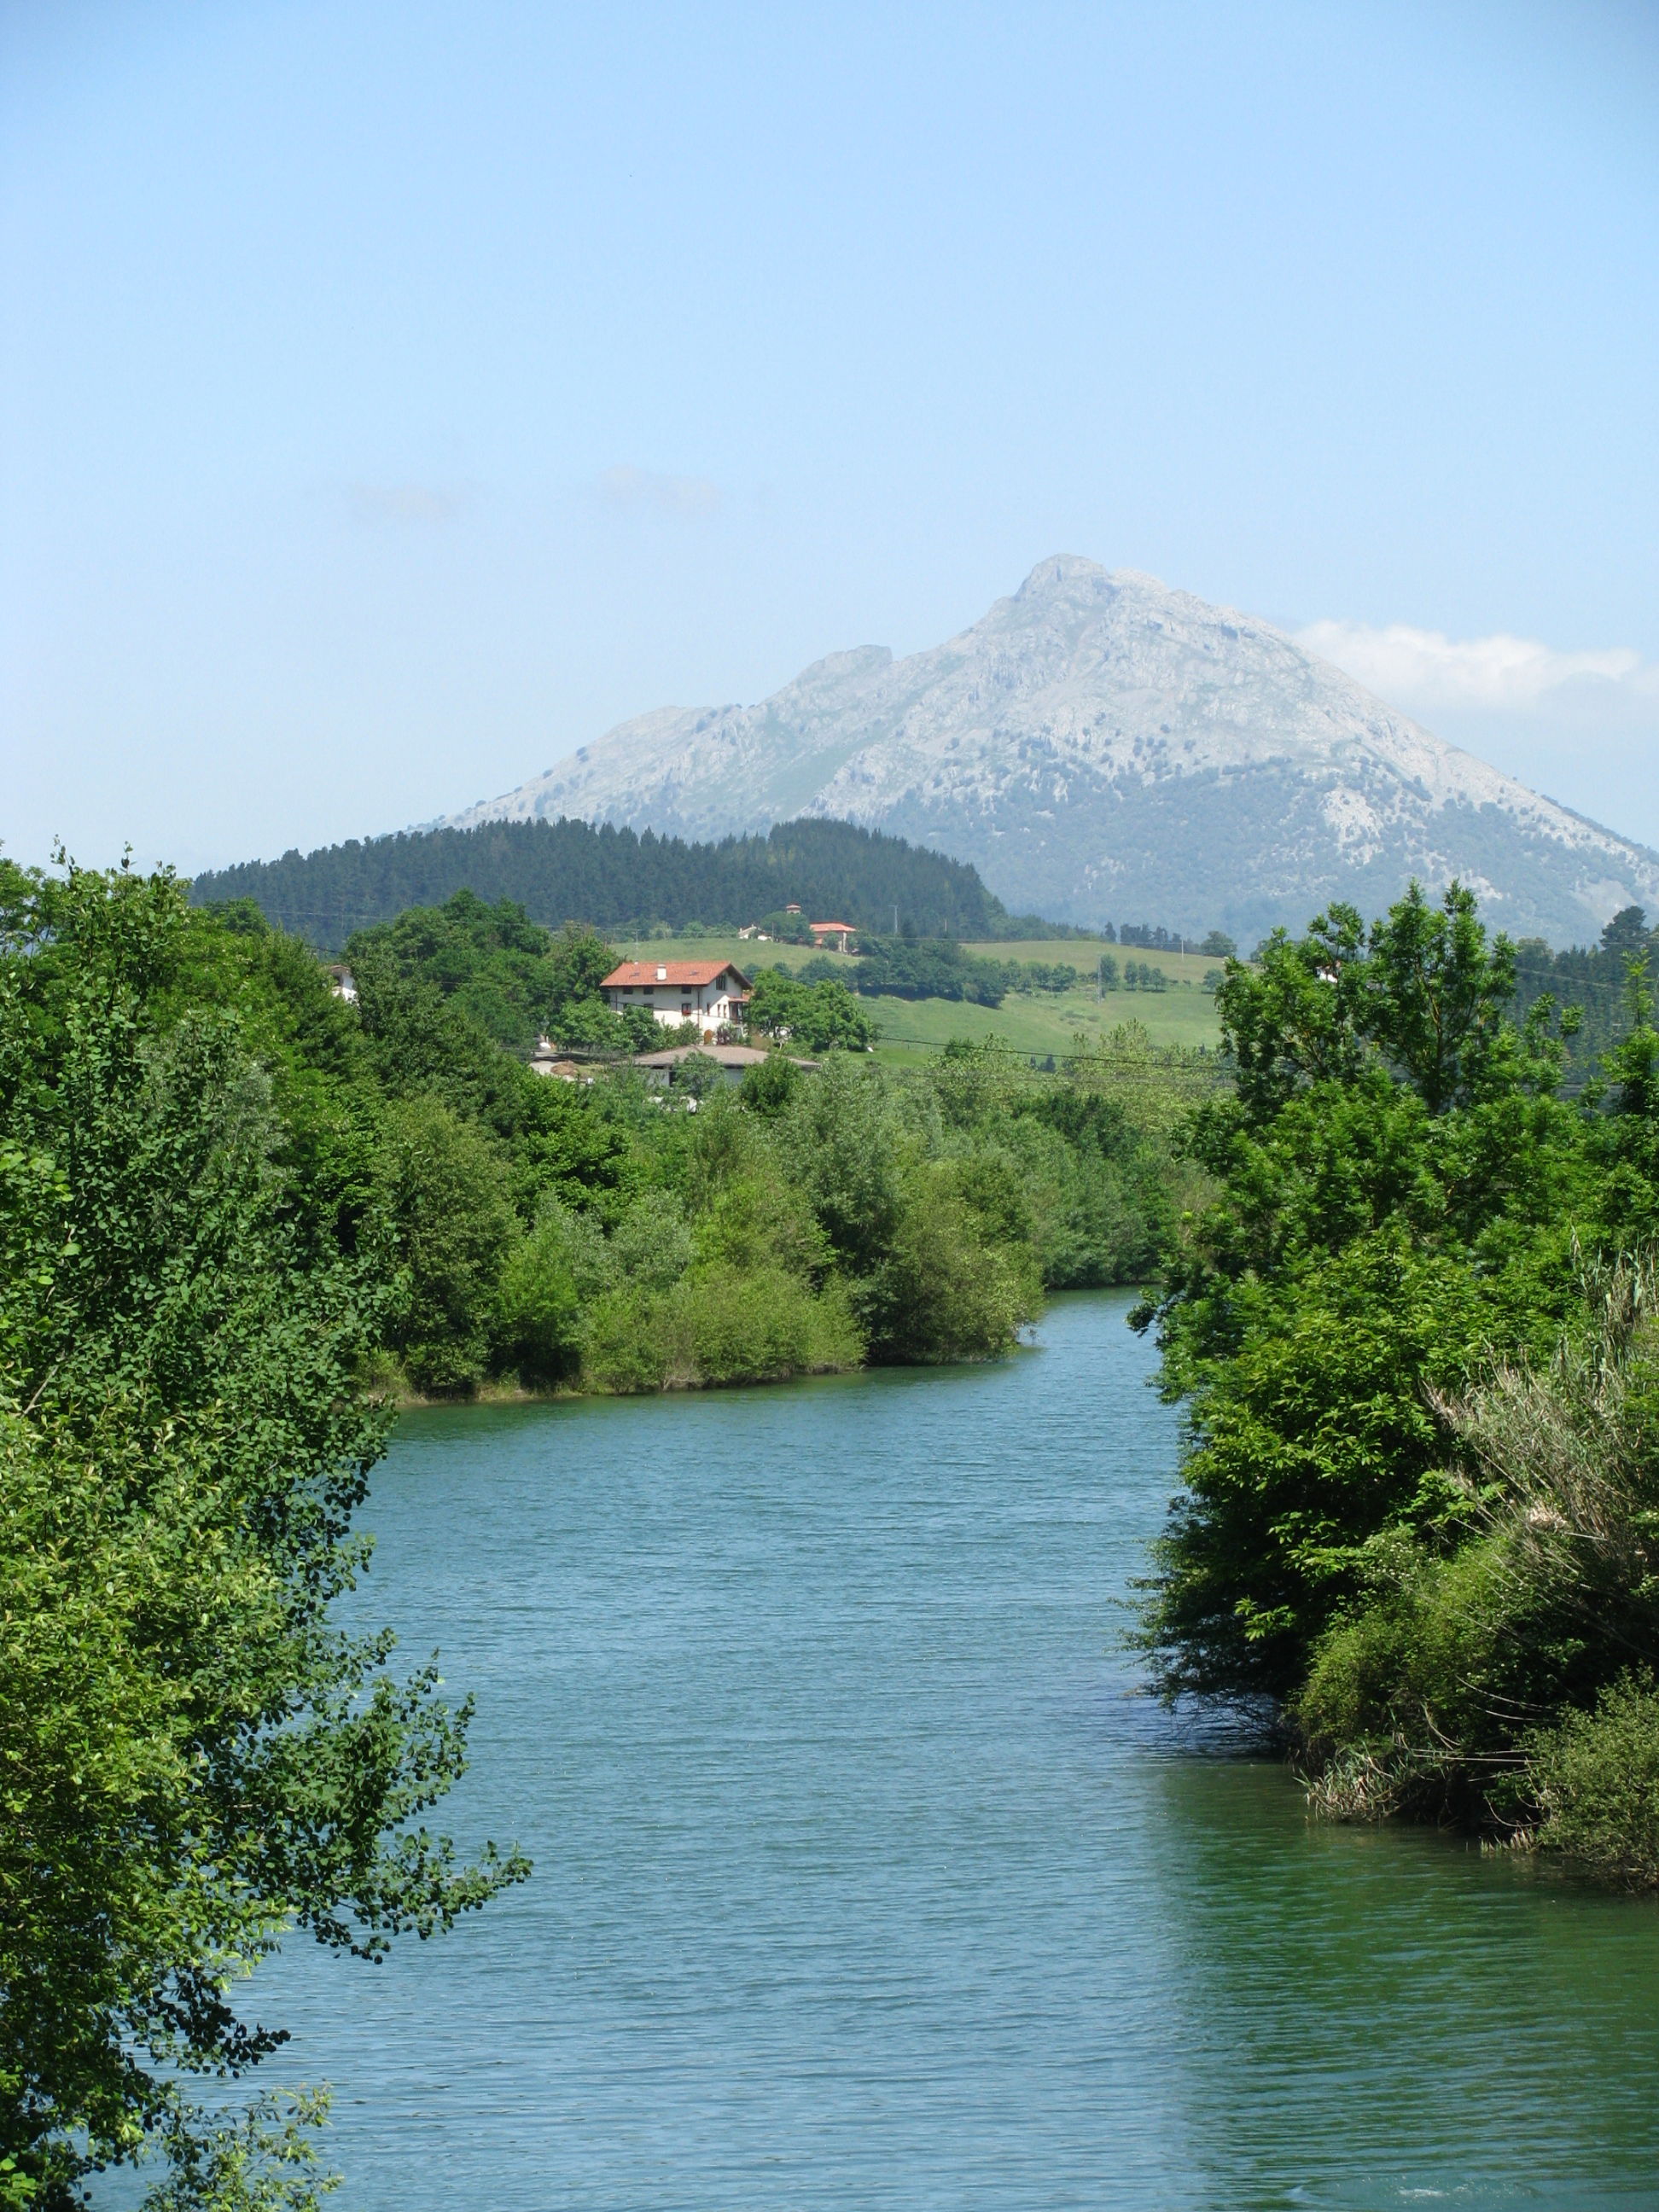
<point>713,1006</point>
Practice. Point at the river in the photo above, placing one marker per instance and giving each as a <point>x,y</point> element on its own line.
<point>866,1876</point>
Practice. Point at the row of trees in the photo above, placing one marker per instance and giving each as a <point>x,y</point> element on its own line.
<point>603,1237</point>
<point>935,968</point>
<point>1414,1327</point>
<point>1216,945</point>
<point>586,1235</point>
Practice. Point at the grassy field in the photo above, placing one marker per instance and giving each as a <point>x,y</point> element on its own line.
<point>744,953</point>
<point>1043,1022</point>
<point>1037,1023</point>
<point>1083,953</point>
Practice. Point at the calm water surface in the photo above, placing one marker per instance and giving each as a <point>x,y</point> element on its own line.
<point>864,1878</point>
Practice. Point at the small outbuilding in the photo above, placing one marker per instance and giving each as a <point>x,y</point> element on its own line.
<point>547,1059</point>
<point>734,1060</point>
<point>832,935</point>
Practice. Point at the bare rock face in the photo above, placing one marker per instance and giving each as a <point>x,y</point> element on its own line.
<point>1104,748</point>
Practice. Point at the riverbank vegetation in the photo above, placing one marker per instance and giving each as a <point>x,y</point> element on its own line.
<point>195,1758</point>
<point>1409,1294</point>
<point>610,1234</point>
<point>613,1236</point>
<point>1414,1329</point>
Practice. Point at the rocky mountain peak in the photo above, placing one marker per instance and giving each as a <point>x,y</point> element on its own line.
<point>1104,747</point>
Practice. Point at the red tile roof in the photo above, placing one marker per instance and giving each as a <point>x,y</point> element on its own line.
<point>683,974</point>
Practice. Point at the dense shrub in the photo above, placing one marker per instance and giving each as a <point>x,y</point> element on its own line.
<point>443,1189</point>
<point>539,1325</point>
<point>1595,1776</point>
<point>721,1325</point>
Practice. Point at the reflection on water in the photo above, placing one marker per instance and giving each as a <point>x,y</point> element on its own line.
<point>863,1877</point>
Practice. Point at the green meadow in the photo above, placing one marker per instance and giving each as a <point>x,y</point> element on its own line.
<point>1036,1023</point>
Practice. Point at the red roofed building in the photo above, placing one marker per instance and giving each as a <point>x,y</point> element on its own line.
<point>828,932</point>
<point>711,993</point>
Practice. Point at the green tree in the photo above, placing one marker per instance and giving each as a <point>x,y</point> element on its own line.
<point>444,1187</point>
<point>768,1087</point>
<point>194,1759</point>
<point>698,1076</point>
<point>539,1326</point>
<point>943,1290</point>
<point>819,1017</point>
<point>1398,1186</point>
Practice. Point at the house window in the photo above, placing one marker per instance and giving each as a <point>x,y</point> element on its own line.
<point>686,1013</point>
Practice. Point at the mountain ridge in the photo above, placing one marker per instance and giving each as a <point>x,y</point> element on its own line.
<point>1102,746</point>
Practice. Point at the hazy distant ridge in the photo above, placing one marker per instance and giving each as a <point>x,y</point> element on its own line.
<point>1099,746</point>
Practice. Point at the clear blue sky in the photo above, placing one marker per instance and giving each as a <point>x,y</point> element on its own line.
<point>393,393</point>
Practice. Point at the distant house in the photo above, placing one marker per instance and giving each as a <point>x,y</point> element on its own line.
<point>342,982</point>
<point>711,993</point>
<point>838,934</point>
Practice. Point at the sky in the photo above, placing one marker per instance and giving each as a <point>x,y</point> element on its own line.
<point>394,394</point>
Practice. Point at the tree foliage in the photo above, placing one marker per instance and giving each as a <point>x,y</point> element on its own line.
<point>195,1758</point>
<point>817,1015</point>
<point>615,878</point>
<point>1421,1384</point>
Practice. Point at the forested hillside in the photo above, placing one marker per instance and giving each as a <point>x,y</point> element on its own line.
<point>1593,980</point>
<point>623,879</point>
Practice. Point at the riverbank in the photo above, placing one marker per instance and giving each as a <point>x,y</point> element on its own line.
<point>384,1381</point>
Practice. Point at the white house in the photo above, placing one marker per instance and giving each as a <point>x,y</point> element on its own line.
<point>711,993</point>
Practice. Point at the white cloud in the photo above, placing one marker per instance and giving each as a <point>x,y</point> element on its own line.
<point>1421,671</point>
<point>1582,726</point>
<point>628,487</point>
<point>403,503</point>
